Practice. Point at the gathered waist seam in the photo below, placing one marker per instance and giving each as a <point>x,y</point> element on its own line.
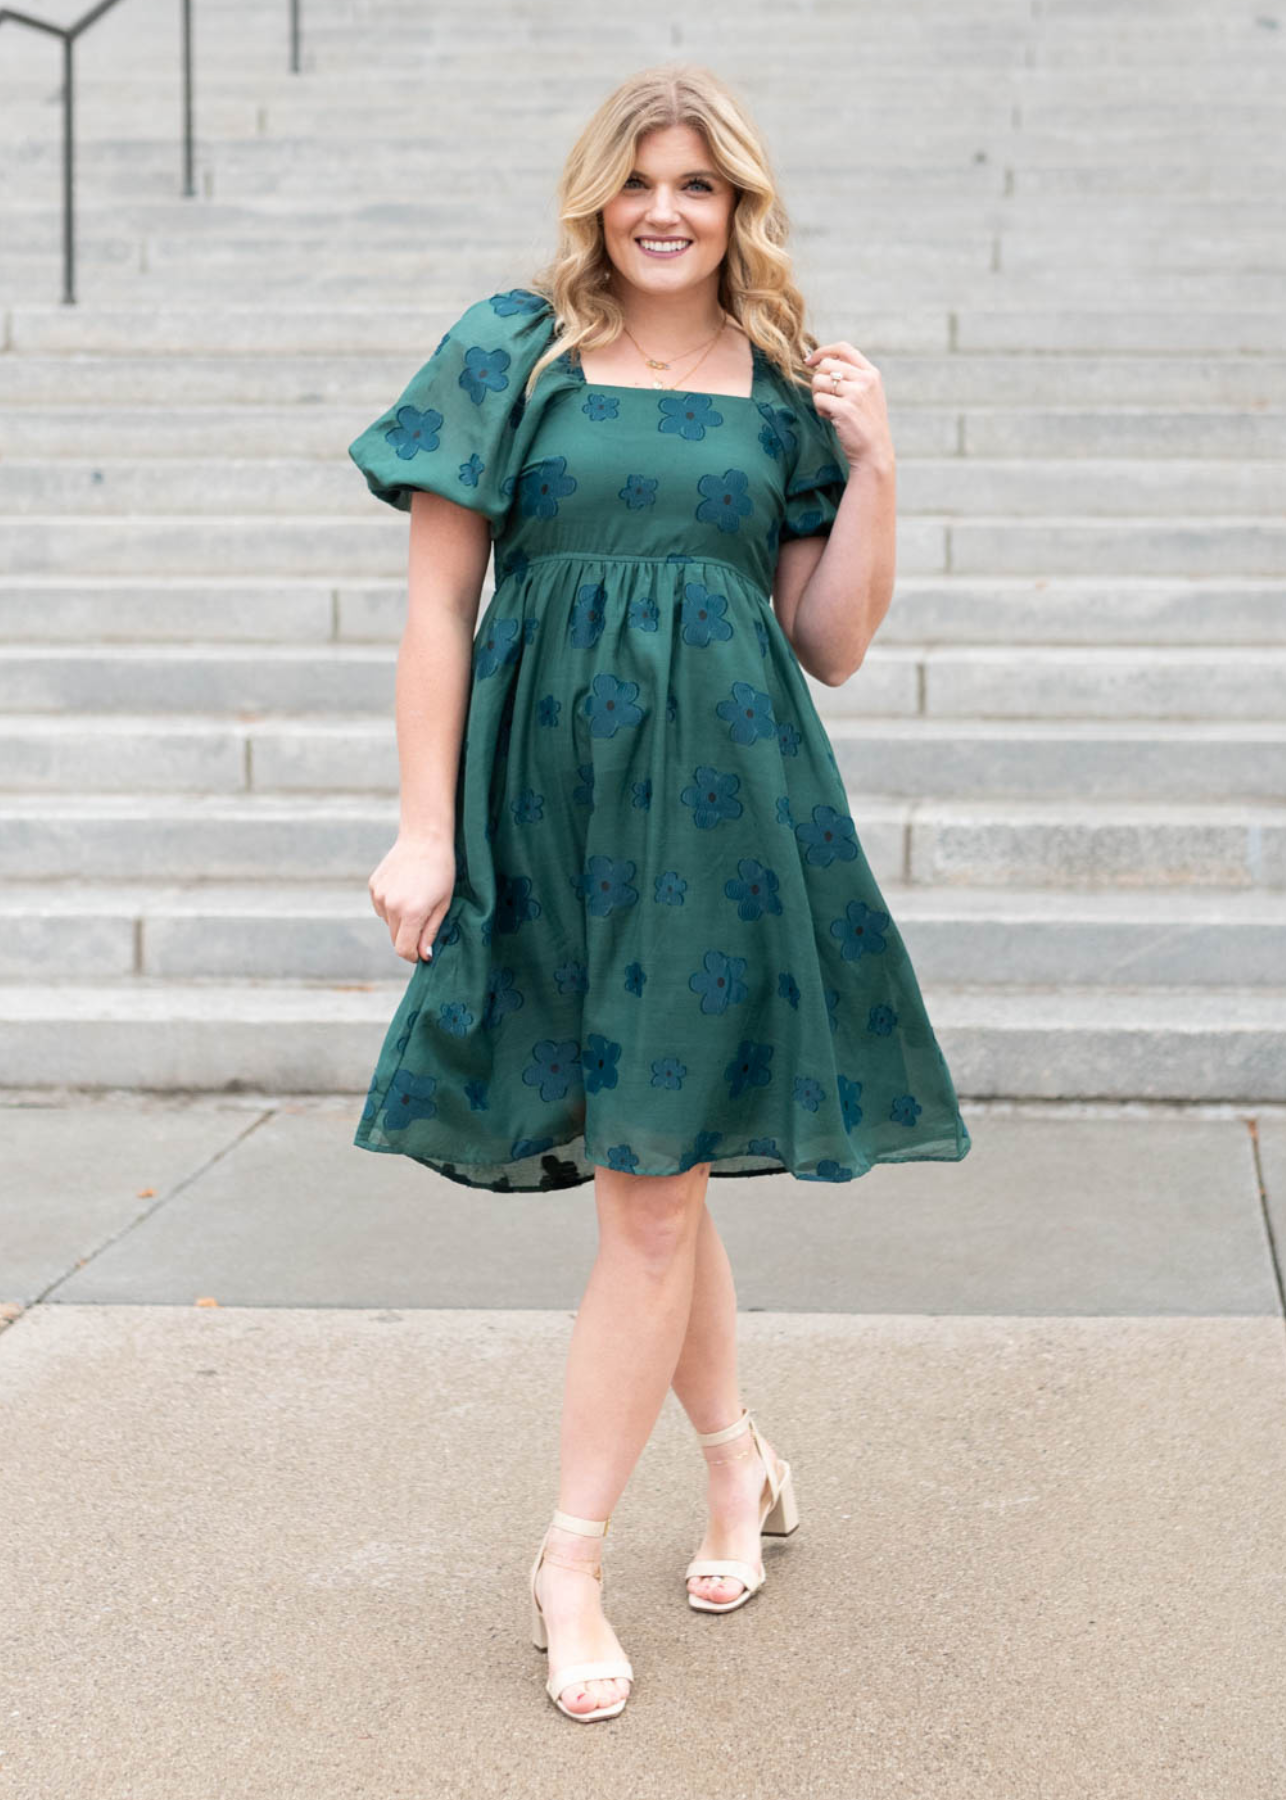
<point>717,562</point>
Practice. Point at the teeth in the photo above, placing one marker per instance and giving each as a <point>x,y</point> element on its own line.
<point>668,246</point>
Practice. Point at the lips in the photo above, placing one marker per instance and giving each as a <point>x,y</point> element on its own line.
<point>683,243</point>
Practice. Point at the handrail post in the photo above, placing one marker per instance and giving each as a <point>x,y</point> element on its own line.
<point>69,164</point>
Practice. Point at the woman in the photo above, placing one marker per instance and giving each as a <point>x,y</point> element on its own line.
<point>648,945</point>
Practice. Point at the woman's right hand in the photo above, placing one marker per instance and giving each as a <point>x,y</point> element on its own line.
<point>411,890</point>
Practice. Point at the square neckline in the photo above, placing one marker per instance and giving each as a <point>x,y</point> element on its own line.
<point>611,387</point>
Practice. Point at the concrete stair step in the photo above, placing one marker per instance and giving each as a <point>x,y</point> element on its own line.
<point>948,759</point>
<point>1005,377</point>
<point>314,930</point>
<point>400,331</point>
<point>294,544</point>
<point>1081,846</point>
<point>941,611</point>
<point>1020,682</point>
<point>1025,1042</point>
<point>1180,486</point>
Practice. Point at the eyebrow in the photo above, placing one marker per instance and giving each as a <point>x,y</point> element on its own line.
<point>688,177</point>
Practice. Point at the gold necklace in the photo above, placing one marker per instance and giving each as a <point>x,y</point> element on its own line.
<point>654,363</point>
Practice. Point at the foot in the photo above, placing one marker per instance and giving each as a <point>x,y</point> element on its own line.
<point>735,1498</point>
<point>572,1602</point>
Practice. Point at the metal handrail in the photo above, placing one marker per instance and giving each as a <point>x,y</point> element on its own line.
<point>68,34</point>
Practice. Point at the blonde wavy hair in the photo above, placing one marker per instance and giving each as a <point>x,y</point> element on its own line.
<point>756,286</point>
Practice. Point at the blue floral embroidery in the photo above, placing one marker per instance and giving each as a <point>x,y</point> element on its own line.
<point>712,797</point>
<point>726,501</point>
<point>414,431</point>
<point>754,888</point>
<point>860,931</point>
<point>611,704</point>
<point>703,615</point>
<point>668,1072</point>
<point>639,490</point>
<point>606,883</point>
<point>552,1067</point>
<point>749,1068</point>
<point>905,1110</point>
<point>749,714</point>
<point>688,415</point>
<point>718,981</point>
<point>484,373</point>
<point>599,1059</point>
<point>601,406</point>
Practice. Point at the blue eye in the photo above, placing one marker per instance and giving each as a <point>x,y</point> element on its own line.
<point>698,180</point>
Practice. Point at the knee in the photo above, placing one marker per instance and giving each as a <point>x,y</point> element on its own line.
<point>654,1220</point>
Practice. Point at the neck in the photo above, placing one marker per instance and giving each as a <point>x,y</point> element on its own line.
<point>670,326</point>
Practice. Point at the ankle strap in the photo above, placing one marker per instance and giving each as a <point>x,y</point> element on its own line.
<point>728,1431</point>
<point>586,1527</point>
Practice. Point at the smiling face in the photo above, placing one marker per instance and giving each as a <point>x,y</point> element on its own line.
<point>675,198</point>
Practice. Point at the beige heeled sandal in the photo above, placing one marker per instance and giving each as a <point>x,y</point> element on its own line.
<point>779,1517</point>
<point>603,1670</point>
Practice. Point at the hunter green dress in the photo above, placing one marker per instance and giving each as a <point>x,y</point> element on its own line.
<point>664,945</point>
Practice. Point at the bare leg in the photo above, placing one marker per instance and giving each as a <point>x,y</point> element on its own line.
<point>626,1340</point>
<point>705,1380</point>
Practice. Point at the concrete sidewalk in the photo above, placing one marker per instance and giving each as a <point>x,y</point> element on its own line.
<point>277,1544</point>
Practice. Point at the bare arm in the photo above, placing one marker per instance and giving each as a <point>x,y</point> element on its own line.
<point>449,549</point>
<point>832,593</point>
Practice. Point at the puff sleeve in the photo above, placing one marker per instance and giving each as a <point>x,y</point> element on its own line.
<point>817,474</point>
<point>452,431</point>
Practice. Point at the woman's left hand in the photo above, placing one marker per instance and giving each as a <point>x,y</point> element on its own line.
<point>854,404</point>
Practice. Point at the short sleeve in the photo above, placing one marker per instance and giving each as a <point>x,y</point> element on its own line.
<point>818,472</point>
<point>453,429</point>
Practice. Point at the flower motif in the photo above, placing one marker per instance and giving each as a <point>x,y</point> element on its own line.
<point>515,903</point>
<point>634,978</point>
<point>809,1093</point>
<point>572,978</point>
<point>788,988</point>
<point>754,888</point>
<point>642,793</point>
<point>702,613</point>
<point>454,1016</point>
<point>470,471</point>
<point>502,996</point>
<point>643,614</point>
<point>881,1020</point>
<point>414,431</point>
<point>670,889</point>
<point>668,1072</point>
<point>848,1093</point>
<point>829,836</point>
<point>588,614</point>
<point>639,490</point>
<point>599,1059</point>
<point>726,502</point>
<point>860,931</point>
<point>601,406</point>
<point>499,646</point>
<point>528,807</point>
<point>718,981</point>
<point>541,488</point>
<point>548,710</point>
<point>688,415</point>
<point>409,1097</point>
<point>484,373</point>
<point>749,713</point>
<point>905,1110</point>
<point>553,1067</point>
<point>604,884</point>
<point>611,704</point>
<point>749,1067</point>
<point>712,797</point>
<point>620,1156</point>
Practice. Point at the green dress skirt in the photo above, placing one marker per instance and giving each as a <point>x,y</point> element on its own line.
<point>665,945</point>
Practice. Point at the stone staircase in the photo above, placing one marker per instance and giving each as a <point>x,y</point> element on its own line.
<point>1059,234</point>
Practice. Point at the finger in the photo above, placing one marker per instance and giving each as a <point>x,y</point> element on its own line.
<point>844,352</point>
